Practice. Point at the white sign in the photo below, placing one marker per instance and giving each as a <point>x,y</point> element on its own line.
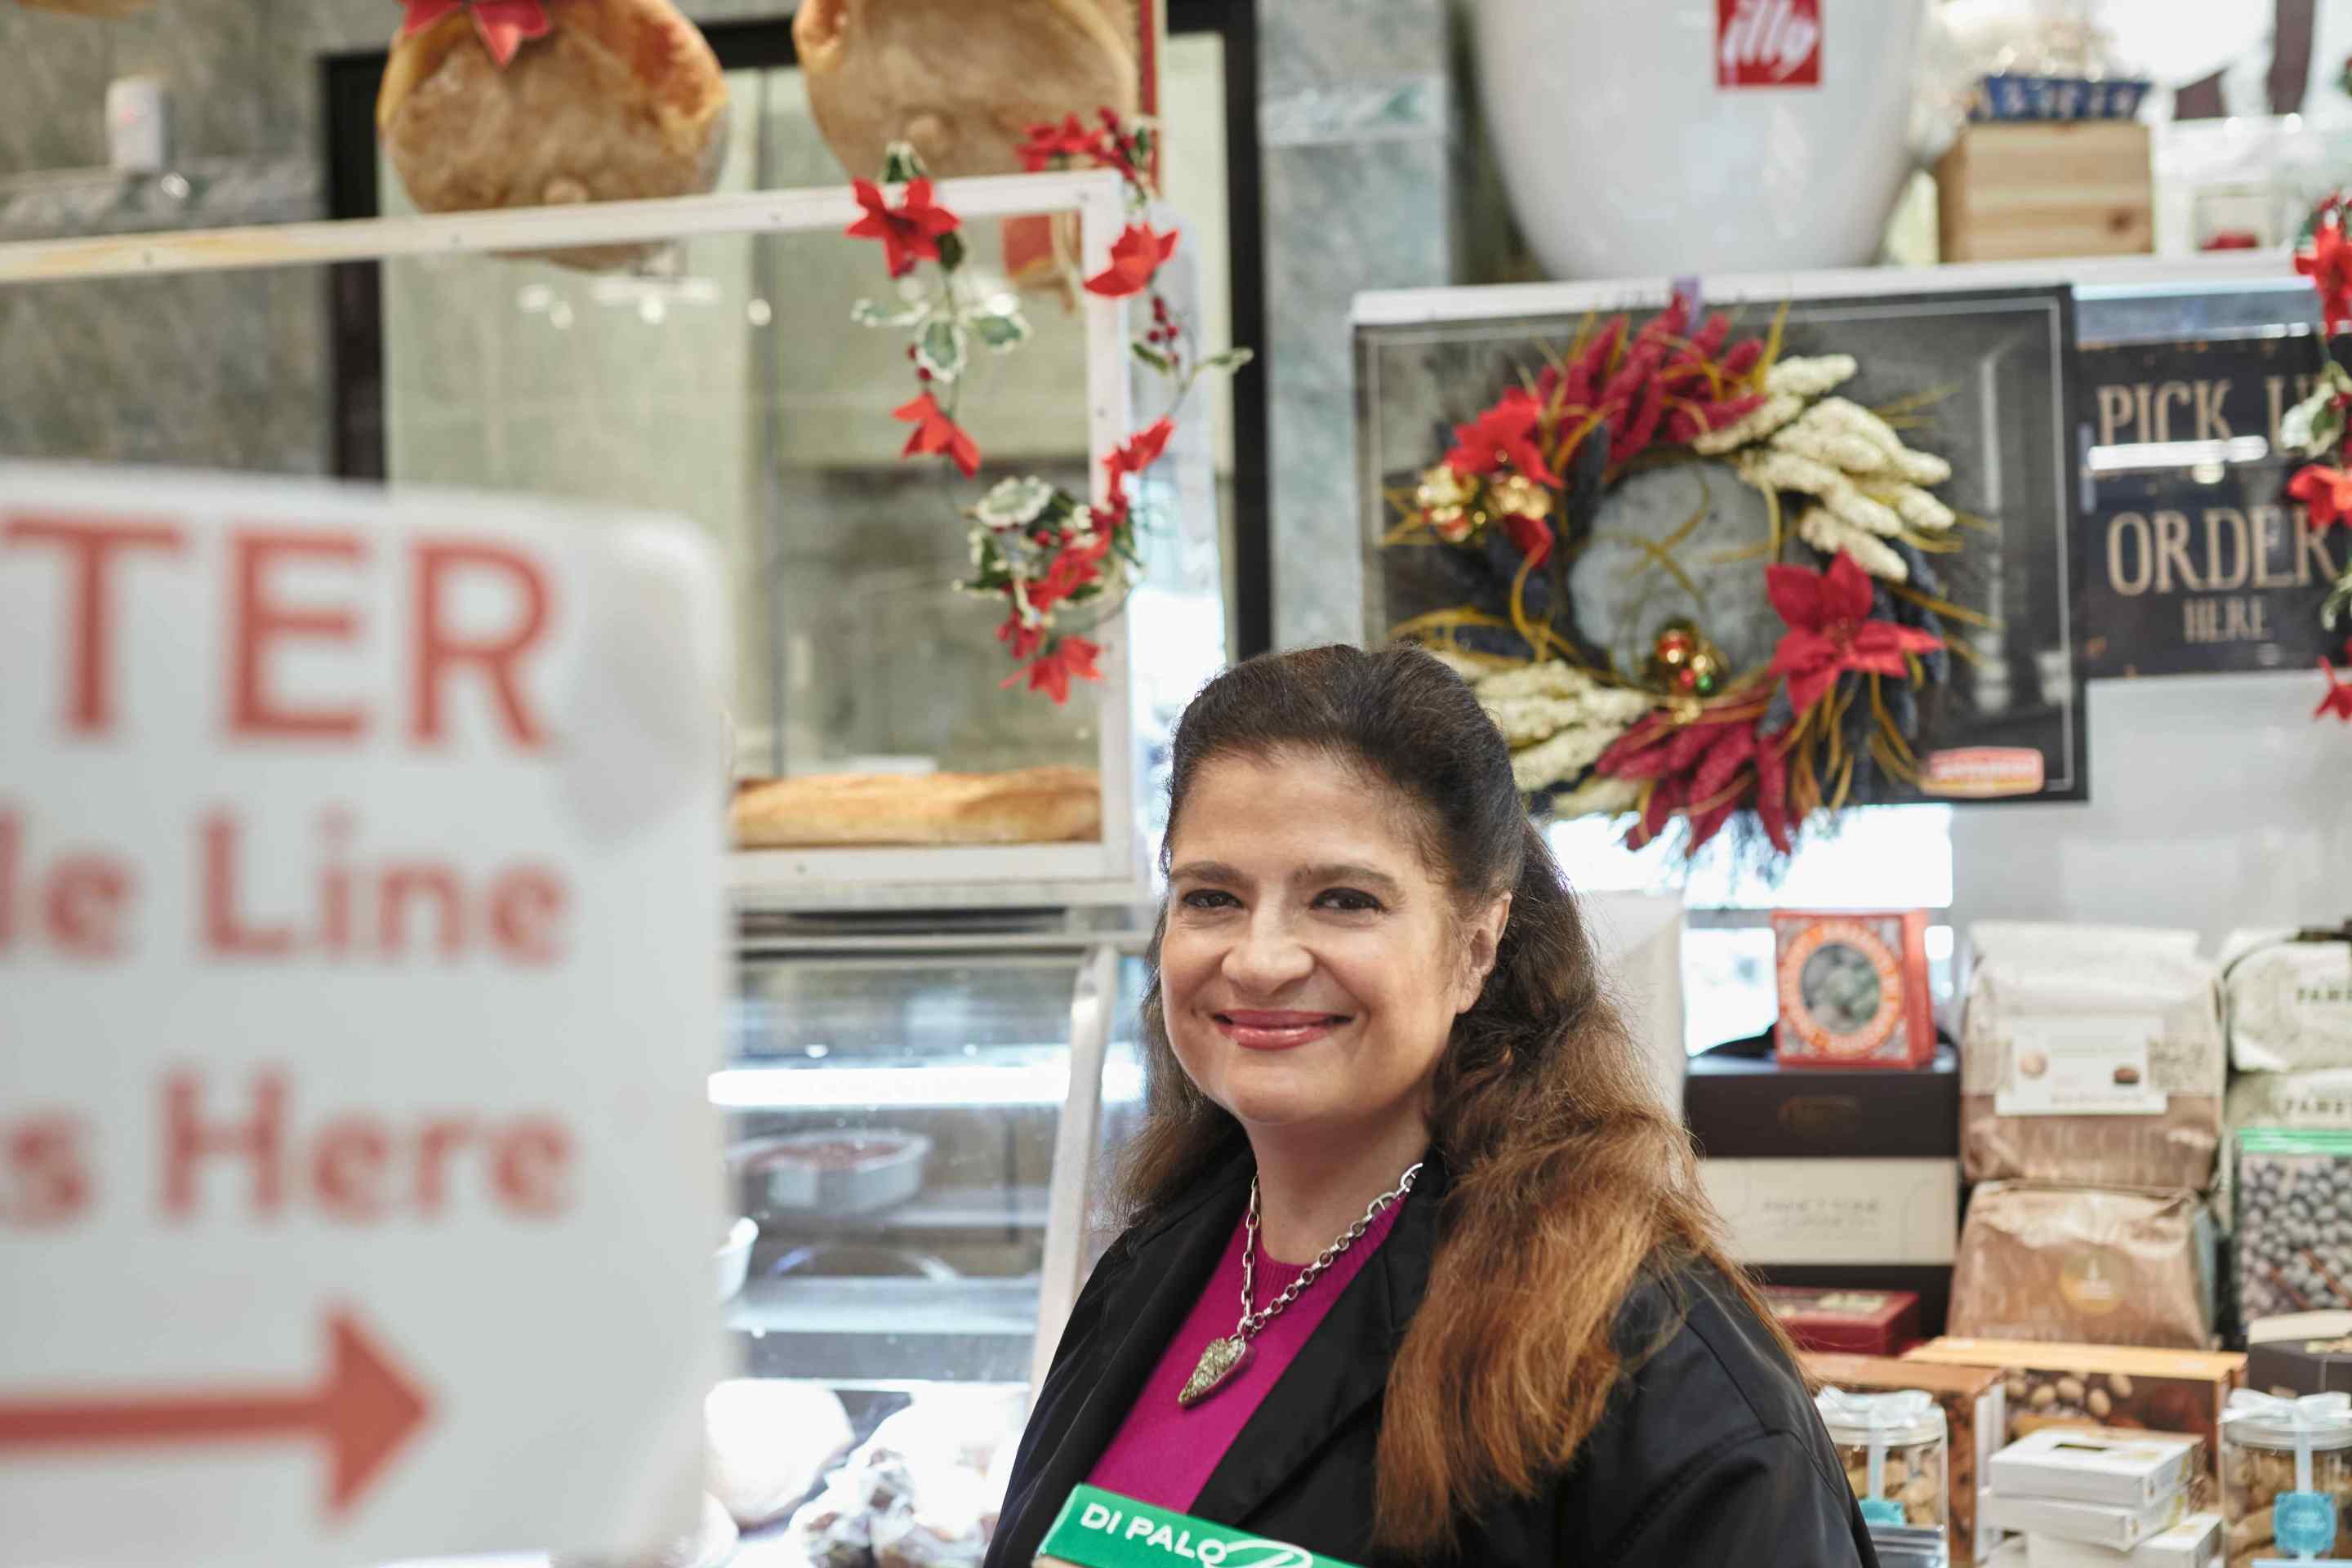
<point>360,965</point>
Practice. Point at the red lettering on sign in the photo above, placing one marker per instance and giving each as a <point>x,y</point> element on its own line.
<point>77,905</point>
<point>1767,43</point>
<point>440,650</point>
<point>258,1141</point>
<point>85,906</point>
<point>43,1179</point>
<point>392,911</point>
<point>360,1167</point>
<point>91,547</point>
<point>258,621</point>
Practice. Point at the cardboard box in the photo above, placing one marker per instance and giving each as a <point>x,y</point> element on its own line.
<point>1857,1323</point>
<point>2085,1387</point>
<point>2019,191</point>
<point>1854,989</point>
<point>1746,1108</point>
<point>2194,1542</point>
<point>1837,1211</point>
<point>2128,1470</point>
<point>1931,1282</point>
<point>1097,1529</point>
<point>1974,1402</point>
<point>2089,1523</point>
<point>2305,1353</point>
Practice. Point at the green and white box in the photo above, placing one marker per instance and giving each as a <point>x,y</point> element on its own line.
<point>1102,1529</point>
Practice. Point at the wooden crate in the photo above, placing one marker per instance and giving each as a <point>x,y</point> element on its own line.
<point>2019,192</point>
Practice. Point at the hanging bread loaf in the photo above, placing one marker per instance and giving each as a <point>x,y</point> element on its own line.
<point>1030,805</point>
<point>960,80</point>
<point>619,101</point>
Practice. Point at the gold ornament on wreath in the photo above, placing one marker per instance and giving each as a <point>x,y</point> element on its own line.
<point>1534,505</point>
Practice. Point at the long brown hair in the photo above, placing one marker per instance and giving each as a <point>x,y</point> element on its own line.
<point>1569,1181</point>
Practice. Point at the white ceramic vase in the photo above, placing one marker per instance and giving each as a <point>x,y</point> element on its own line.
<point>1625,156</point>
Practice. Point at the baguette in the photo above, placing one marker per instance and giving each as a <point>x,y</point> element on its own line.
<point>1031,806</point>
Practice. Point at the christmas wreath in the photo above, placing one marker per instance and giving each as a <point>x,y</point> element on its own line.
<point>2315,428</point>
<point>1059,564</point>
<point>1537,513</point>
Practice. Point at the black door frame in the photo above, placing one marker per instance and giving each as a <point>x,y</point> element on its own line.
<point>355,290</point>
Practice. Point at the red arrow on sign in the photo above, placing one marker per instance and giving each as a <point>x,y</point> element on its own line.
<point>364,1411</point>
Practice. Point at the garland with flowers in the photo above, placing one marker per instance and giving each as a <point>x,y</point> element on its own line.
<point>1060,565</point>
<point>1848,560</point>
<point>2315,428</point>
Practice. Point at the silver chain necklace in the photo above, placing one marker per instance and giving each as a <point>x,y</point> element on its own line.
<point>1224,1356</point>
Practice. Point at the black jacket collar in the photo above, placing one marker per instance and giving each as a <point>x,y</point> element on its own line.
<point>1161,1268</point>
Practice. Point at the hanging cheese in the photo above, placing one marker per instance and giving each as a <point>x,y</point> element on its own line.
<point>604,100</point>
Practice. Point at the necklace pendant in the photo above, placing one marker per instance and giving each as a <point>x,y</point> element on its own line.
<point>1219,1362</point>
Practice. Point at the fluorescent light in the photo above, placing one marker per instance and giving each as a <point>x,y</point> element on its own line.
<point>2128,455</point>
<point>832,1087</point>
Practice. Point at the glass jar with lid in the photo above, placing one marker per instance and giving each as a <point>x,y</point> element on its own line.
<point>2286,1476</point>
<point>1894,1448</point>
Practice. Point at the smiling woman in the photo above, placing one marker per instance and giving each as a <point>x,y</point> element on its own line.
<point>1419,1271</point>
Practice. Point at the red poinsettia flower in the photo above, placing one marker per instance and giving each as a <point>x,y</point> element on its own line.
<point>1141,451</point>
<point>1135,256</point>
<point>1074,568</point>
<point>2338,700</point>
<point>1020,637</point>
<point>1831,632</point>
<point>2327,492</point>
<point>1503,436</point>
<point>910,232</point>
<point>1070,659</point>
<point>1533,535</point>
<point>1049,142</point>
<point>935,432</point>
<point>2328,262</point>
<point>502,24</point>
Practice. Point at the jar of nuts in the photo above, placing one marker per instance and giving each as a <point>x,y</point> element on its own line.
<point>2286,1475</point>
<point>1894,1446</point>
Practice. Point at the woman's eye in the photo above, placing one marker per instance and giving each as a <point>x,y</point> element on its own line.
<point>1348,901</point>
<point>1209,898</point>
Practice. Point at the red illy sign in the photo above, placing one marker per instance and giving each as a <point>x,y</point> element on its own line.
<point>1767,43</point>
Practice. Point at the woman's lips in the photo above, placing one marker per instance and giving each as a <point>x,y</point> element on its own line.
<point>1269,1031</point>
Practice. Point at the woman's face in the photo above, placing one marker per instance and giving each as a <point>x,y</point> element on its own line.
<point>1312,966</point>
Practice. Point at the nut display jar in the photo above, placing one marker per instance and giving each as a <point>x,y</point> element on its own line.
<point>2294,1233</point>
<point>2286,1476</point>
<point>1894,1446</point>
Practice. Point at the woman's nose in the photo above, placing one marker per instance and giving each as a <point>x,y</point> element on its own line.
<point>1268,956</point>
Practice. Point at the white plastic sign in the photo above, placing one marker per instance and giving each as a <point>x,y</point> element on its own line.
<point>360,965</point>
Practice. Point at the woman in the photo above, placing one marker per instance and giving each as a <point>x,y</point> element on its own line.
<point>1420,1272</point>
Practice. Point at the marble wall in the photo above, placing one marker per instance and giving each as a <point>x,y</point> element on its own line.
<point>1355,106</point>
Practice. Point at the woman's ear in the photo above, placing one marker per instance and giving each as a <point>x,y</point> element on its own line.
<point>1484,943</point>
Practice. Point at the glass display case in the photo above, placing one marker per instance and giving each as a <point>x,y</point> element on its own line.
<point>920,1133</point>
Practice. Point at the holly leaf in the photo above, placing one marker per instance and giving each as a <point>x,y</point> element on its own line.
<point>2338,600</point>
<point>941,350</point>
<point>1001,333</point>
<point>951,251</point>
<point>867,313</point>
<point>1155,358</point>
<point>901,163</point>
<point>1232,359</point>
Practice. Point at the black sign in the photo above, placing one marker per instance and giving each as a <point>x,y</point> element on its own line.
<point>2192,557</point>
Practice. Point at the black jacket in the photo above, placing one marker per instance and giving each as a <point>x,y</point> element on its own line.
<point>1710,1452</point>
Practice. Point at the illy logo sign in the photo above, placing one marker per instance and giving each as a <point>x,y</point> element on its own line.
<point>1767,43</point>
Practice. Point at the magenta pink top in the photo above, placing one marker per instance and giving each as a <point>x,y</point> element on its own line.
<point>1164,1454</point>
